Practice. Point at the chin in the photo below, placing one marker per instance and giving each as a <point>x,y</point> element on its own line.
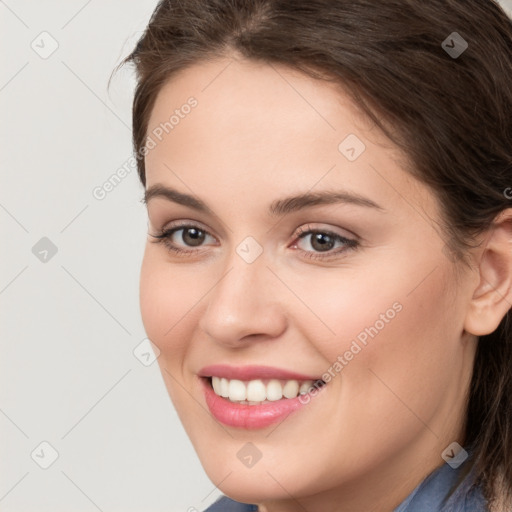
<point>263,482</point>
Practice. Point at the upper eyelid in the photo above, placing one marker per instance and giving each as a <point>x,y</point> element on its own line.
<point>307,230</point>
<point>154,211</point>
<point>186,224</point>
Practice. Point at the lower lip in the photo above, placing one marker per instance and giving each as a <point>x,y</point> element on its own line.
<point>253,416</point>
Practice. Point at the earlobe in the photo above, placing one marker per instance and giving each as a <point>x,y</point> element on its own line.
<point>492,298</point>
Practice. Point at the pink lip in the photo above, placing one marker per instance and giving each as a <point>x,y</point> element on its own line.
<point>251,373</point>
<point>252,416</point>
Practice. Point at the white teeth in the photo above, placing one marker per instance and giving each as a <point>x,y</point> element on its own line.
<point>237,390</point>
<point>224,387</point>
<point>216,385</point>
<point>274,390</point>
<point>291,389</point>
<point>256,391</point>
<point>305,387</point>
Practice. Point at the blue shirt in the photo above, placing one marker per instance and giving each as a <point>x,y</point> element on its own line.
<point>438,492</point>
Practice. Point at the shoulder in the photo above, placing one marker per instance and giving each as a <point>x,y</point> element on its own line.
<point>225,504</point>
<point>469,496</point>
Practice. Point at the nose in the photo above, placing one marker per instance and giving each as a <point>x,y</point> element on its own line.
<point>244,304</point>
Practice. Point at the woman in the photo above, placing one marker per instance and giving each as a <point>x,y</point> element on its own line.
<point>328,273</point>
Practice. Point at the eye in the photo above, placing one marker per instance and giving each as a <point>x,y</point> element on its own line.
<point>191,236</point>
<point>187,239</point>
<point>322,242</point>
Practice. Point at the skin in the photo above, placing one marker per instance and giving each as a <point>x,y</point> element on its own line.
<point>262,132</point>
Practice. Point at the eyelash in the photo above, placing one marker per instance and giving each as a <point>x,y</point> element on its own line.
<point>165,235</point>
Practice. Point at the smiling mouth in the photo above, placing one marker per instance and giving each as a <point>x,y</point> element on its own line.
<point>261,391</point>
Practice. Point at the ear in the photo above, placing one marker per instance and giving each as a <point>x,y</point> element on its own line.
<point>492,298</point>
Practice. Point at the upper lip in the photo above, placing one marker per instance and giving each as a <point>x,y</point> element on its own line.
<point>252,372</point>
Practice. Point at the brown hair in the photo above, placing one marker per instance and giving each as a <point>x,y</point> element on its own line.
<point>450,114</point>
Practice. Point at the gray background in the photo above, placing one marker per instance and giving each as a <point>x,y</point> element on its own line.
<point>70,319</point>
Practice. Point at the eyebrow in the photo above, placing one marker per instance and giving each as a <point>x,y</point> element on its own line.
<point>277,207</point>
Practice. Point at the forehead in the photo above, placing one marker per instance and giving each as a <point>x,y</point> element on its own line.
<point>256,100</point>
<point>262,123</point>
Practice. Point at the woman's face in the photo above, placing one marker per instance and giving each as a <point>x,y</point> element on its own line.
<point>349,282</point>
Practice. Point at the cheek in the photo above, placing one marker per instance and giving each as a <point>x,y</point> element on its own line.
<point>348,309</point>
<point>388,337</point>
<point>392,312</point>
<point>166,302</point>
<point>404,360</point>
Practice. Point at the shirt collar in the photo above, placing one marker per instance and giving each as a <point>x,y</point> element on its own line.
<point>447,488</point>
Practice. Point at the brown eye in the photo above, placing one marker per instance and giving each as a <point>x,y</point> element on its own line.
<point>192,236</point>
<point>323,244</point>
<point>322,241</point>
<point>183,239</point>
